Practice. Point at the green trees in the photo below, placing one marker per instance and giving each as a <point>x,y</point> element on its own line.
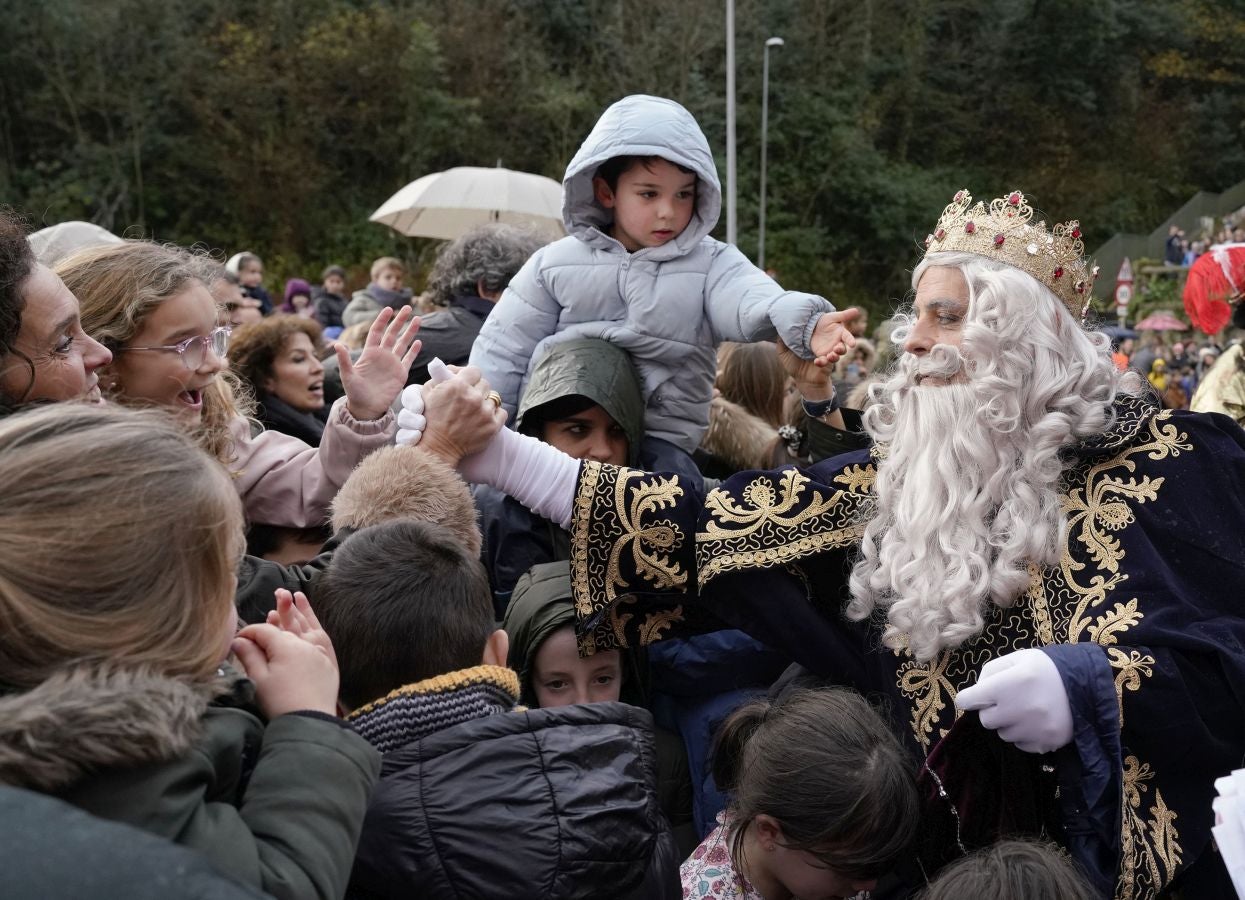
<point>280,126</point>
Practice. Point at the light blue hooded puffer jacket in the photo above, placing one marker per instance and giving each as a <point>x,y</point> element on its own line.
<point>668,306</point>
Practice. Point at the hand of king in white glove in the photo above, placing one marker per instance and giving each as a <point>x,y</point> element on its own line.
<point>1022,697</point>
<point>411,419</point>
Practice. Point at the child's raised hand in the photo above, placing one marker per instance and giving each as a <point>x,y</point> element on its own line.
<point>294,614</point>
<point>290,673</point>
<point>831,339</point>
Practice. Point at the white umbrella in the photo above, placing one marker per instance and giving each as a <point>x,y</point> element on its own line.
<point>449,204</point>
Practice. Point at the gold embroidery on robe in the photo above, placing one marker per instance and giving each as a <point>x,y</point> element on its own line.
<point>763,531</point>
<point>1067,605</point>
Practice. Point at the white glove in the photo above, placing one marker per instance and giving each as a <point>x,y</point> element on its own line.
<point>1229,829</point>
<point>411,421</point>
<point>1022,697</point>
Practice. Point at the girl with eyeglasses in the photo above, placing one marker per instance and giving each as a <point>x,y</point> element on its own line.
<point>149,305</point>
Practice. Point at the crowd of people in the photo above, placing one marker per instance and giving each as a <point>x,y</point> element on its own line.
<point>607,567</point>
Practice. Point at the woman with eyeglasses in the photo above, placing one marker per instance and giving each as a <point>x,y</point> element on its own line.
<point>149,306</point>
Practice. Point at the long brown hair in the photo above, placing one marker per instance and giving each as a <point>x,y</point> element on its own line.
<point>828,769</point>
<point>119,540</point>
<point>118,286</point>
<point>752,376</point>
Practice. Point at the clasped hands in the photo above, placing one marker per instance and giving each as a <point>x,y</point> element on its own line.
<point>452,415</point>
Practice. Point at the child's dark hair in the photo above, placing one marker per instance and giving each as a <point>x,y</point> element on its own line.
<point>402,602</point>
<point>1012,870</point>
<point>613,168</point>
<point>17,262</point>
<point>565,407</point>
<point>828,769</point>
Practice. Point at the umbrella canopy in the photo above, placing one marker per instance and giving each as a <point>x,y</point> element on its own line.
<point>1215,278</point>
<point>449,204</point>
<point>1160,321</point>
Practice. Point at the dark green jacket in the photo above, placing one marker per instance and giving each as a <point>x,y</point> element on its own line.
<point>277,807</point>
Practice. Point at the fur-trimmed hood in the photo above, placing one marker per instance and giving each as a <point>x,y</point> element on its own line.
<point>737,437</point>
<point>88,718</point>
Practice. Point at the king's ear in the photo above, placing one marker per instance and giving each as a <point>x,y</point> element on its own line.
<point>601,191</point>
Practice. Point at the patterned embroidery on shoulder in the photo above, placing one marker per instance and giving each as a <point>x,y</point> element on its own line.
<point>778,518</point>
<point>615,520</point>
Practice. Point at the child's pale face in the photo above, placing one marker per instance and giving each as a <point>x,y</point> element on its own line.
<point>251,274</point>
<point>560,677</point>
<point>652,204</point>
<point>334,284</point>
<point>389,280</point>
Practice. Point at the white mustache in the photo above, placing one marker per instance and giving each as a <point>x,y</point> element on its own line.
<point>942,361</point>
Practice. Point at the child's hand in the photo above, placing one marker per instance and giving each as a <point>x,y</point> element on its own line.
<point>294,614</point>
<point>290,673</point>
<point>831,339</point>
<point>373,381</point>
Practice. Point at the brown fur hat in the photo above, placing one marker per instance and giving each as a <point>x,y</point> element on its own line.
<point>407,483</point>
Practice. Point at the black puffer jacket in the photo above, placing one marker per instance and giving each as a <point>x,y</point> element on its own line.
<point>548,803</point>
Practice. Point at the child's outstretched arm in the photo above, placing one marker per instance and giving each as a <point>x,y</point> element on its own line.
<point>526,314</point>
<point>744,304</point>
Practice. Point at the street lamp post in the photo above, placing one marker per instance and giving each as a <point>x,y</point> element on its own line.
<point>730,121</point>
<point>772,42</point>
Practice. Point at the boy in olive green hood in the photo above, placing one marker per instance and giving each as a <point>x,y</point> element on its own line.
<point>583,398</point>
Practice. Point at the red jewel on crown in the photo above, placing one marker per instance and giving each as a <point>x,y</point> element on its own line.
<point>1076,233</point>
<point>1015,198</point>
<point>969,227</point>
<point>959,195</point>
<point>1058,271</point>
<point>1080,287</point>
<point>940,234</point>
<point>998,240</point>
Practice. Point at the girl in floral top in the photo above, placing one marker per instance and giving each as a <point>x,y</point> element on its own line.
<point>822,801</point>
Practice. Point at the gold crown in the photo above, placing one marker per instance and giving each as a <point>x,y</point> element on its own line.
<point>1004,232</point>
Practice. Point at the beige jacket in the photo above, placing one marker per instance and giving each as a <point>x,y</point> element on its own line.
<point>283,481</point>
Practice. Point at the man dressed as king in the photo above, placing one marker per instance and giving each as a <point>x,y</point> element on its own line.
<point>1037,571</point>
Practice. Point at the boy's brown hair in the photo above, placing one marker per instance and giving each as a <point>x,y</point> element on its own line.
<point>385,263</point>
<point>614,167</point>
<point>403,602</point>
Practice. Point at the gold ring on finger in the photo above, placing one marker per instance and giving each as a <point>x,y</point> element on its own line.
<point>496,398</point>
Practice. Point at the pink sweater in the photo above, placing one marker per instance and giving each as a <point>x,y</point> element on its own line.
<point>283,481</point>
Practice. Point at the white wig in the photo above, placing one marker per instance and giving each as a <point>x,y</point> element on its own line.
<point>968,485</point>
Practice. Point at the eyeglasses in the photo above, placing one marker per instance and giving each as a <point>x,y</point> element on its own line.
<point>193,350</point>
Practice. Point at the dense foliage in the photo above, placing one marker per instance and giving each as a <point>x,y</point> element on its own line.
<point>279,126</point>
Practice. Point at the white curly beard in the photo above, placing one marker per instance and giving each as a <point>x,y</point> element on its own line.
<point>961,510</point>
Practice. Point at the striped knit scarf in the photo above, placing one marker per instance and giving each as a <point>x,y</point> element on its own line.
<point>426,707</point>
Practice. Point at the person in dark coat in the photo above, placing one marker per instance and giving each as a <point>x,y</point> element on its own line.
<point>540,623</point>
<point>54,851</point>
<point>279,359</point>
<point>583,398</point>
<point>468,278</point>
<point>571,790</point>
<point>329,298</point>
